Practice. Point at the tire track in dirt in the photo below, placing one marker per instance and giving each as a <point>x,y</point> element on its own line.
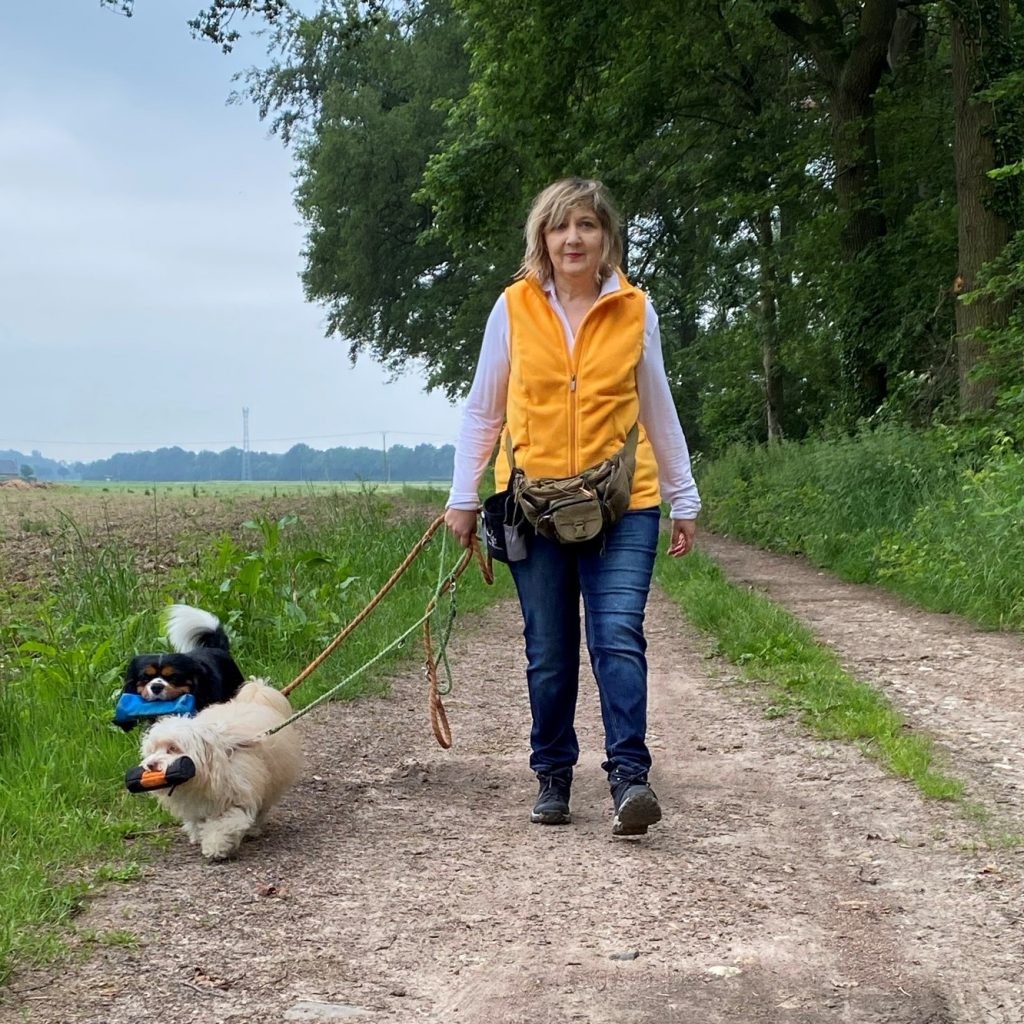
<point>961,685</point>
<point>791,881</point>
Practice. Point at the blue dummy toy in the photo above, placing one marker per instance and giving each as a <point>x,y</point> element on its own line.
<point>132,709</point>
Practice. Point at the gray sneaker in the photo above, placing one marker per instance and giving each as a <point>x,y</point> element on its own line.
<point>636,806</point>
<point>552,806</point>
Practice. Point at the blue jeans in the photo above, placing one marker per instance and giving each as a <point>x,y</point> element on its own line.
<point>613,574</point>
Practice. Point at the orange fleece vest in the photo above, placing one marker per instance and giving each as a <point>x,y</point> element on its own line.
<point>568,413</point>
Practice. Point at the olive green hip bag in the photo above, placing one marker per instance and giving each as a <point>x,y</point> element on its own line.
<point>574,509</point>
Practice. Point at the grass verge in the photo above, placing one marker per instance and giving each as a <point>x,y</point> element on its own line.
<point>932,515</point>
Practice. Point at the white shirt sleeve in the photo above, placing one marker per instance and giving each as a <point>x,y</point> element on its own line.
<point>661,421</point>
<point>484,412</point>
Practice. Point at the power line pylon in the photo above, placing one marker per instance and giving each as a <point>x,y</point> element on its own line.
<point>246,453</point>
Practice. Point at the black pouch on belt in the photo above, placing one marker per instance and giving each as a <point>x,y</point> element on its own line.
<point>504,528</point>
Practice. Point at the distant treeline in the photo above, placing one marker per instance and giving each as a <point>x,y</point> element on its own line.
<point>424,462</point>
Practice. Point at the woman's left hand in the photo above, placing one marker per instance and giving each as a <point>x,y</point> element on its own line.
<point>683,533</point>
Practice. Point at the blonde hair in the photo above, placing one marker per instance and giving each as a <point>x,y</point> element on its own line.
<point>550,209</point>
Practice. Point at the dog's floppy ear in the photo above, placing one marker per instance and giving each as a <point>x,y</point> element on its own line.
<point>245,744</point>
<point>131,673</point>
<point>199,746</point>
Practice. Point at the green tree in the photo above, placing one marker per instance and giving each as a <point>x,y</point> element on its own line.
<point>982,52</point>
<point>701,134</point>
<point>847,45</point>
<point>363,99</point>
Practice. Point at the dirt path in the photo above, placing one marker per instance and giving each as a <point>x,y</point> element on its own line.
<point>963,686</point>
<point>791,881</point>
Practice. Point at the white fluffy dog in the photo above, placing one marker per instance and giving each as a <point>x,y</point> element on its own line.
<point>240,774</point>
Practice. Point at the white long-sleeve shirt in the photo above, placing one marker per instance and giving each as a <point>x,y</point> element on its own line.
<point>484,413</point>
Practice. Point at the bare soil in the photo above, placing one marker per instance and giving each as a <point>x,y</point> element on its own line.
<point>790,881</point>
<point>41,525</point>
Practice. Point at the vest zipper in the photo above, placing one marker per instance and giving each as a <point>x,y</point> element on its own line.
<point>573,441</point>
<point>577,351</point>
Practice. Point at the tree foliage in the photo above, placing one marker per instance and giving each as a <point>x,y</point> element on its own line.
<point>363,98</point>
<point>217,22</point>
<point>804,183</point>
<point>804,155</point>
<point>386,463</point>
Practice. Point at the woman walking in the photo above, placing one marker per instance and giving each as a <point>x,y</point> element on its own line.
<point>570,362</point>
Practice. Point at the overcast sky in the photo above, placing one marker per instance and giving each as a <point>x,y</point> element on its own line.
<point>150,252</point>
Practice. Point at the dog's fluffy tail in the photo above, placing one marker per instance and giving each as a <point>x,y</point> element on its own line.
<point>189,628</point>
<point>258,691</point>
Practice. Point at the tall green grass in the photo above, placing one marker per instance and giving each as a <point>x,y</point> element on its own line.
<point>922,513</point>
<point>801,677</point>
<point>284,588</point>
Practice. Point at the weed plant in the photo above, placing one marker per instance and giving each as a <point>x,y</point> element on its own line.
<point>283,591</point>
<point>925,514</point>
<point>803,678</point>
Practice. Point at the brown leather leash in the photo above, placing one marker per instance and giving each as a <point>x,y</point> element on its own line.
<point>438,717</point>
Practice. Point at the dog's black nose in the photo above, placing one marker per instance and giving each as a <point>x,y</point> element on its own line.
<point>156,687</point>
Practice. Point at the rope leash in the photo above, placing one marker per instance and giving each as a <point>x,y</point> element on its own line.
<point>438,717</point>
<point>374,601</point>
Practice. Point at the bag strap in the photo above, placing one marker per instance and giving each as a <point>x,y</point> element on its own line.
<point>628,449</point>
<point>509,453</point>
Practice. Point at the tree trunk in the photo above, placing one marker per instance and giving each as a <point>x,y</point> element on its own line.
<point>768,300</point>
<point>851,65</point>
<point>857,187</point>
<point>983,233</point>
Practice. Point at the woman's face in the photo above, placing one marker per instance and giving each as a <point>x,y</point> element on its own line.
<point>575,246</point>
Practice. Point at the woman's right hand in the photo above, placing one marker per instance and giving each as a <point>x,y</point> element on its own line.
<point>462,523</point>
